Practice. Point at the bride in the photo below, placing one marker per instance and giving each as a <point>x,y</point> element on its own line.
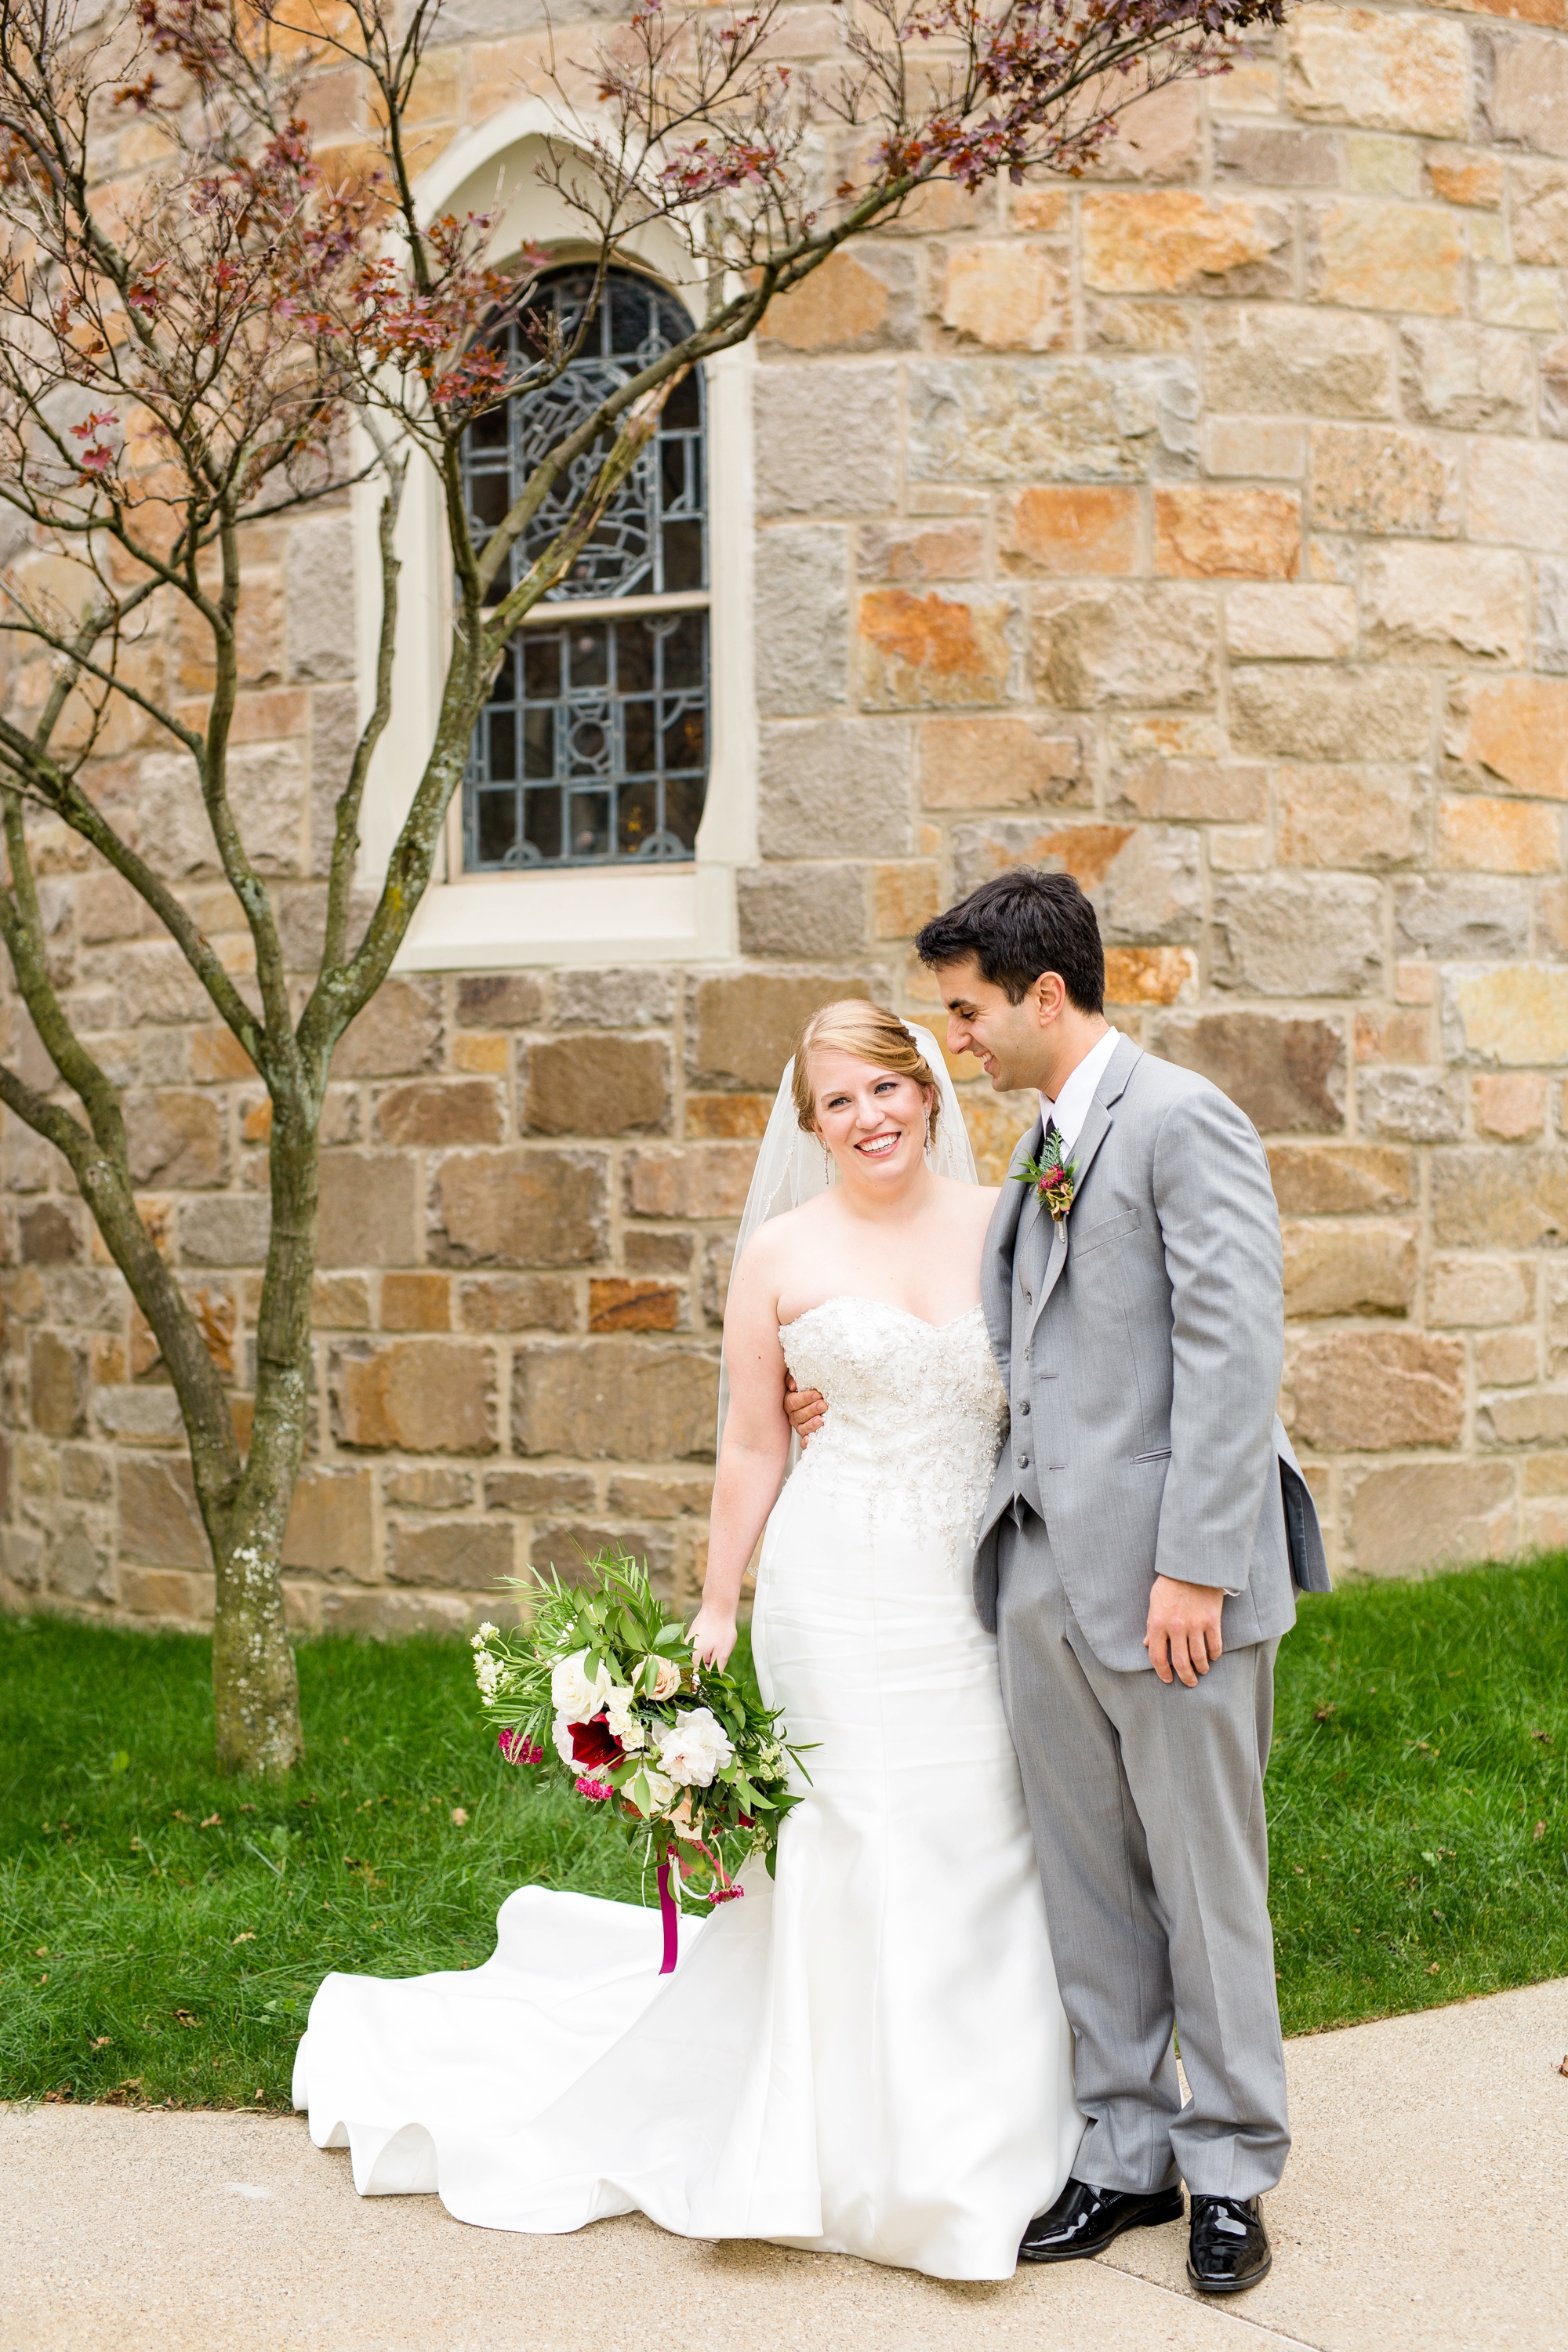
<point>866,2056</point>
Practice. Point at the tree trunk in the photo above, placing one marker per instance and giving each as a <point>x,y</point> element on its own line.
<point>256,1691</point>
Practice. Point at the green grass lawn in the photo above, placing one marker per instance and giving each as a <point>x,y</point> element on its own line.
<point>162,1928</point>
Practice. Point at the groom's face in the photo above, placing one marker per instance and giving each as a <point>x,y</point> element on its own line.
<point>1010,1041</point>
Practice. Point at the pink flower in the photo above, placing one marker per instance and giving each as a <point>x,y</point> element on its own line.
<point>594,1791</point>
<point>516,1749</point>
<point>726,1894</point>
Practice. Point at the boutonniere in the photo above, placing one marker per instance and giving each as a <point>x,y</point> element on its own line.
<point>1054,1178</point>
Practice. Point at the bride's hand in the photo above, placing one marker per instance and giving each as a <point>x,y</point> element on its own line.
<point>712,1638</point>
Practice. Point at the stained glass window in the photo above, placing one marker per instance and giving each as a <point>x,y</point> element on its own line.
<point>593,748</point>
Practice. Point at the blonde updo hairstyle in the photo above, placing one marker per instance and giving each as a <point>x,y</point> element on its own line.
<point>871,1034</point>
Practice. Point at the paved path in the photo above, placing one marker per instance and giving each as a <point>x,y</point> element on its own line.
<point>1424,2209</point>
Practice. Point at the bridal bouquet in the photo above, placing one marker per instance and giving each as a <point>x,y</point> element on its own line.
<point>604,1682</point>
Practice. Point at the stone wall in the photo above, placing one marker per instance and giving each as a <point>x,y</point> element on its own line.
<point>1200,528</point>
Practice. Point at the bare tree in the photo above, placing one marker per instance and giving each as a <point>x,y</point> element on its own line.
<point>227,336</point>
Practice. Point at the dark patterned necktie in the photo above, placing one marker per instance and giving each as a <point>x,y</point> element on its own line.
<point>1051,1153</point>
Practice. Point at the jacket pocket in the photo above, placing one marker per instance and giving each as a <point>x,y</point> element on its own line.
<point>1161,1454</point>
<point>1110,1229</point>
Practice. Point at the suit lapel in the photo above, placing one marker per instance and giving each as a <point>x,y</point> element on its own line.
<point>1090,1136</point>
<point>1002,1244</point>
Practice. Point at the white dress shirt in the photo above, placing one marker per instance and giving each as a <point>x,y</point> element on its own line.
<point>1071,1108</point>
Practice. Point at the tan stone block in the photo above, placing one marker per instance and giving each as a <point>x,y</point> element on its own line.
<point>718,1117</point>
<point>484,1054</point>
<point>47,1235</point>
<point>1160,137</point>
<point>1289,934</point>
<point>1538,1418</point>
<point>1288,1076</point>
<point>415,1302</point>
<point>1177,241</point>
<point>470,1555</point>
<point>694,1180</point>
<point>1546,1473</point>
<point>1513,1199</point>
<point>331,1528</point>
<point>1527,88</point>
<point>921,552</point>
<point>1373,256</point>
<point>643,1252</point>
<point>1369,478</point>
<point>1239,849</point>
<point>926,652</point>
<point>1009,296</point>
<point>217,1056</point>
<point>1251,88</point>
<point>1499,837</point>
<point>616,1398</point>
<point>1144,880</point>
<point>1387,73</point>
<point>1295,621</point>
<point>165,1592</point>
<point>1206,534</point>
<point>1530,299</point>
<point>428,1486</point>
<point>1467,377</point>
<point>108,909</point>
<point>1380,166</point>
<point>1423,602</point>
<point>1069,528</point>
<point>539,1490</point>
<point>657,1497</point>
<point>369,1209</point>
<point>1538,213</point>
<point>1282,358</point>
<point>1393,1036</point>
<point>842,305</point>
<point>1517,728</point>
<point>906,897</point>
<point>616,1304</point>
<point>518,1302</point>
<point>1416,1106</point>
<point>597,1085</point>
<point>1464,175</point>
<point>158,1519</point>
<point>1136,323</point>
<point>437,1111</point>
<point>1350,1269</point>
<point>997,763</point>
<point>501,1000</point>
<point>1516,491</point>
<point>57,1384</point>
<point>1516,1015</point>
<point>1208,791</point>
<point>174,1137</point>
<point>340,1302</point>
<point>1337,1180</point>
<point>1480,1293</point>
<point>975,419</point>
<point>1314,712</point>
<point>1415,983</point>
<point>1368,1391</point>
<point>1098,645</point>
<point>1149,975</point>
<point>1254,445</point>
<point>1424,1514</point>
<point>393,1616</point>
<point>1038,208</point>
<point>742,1027</point>
<point>1274,155</point>
<point>1546,1526</point>
<point>1507,1359</point>
<point>413,1396</point>
<point>515,1207</point>
<point>995,1125</point>
<point>399,1030</point>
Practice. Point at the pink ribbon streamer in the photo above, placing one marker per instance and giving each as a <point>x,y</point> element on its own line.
<point>667,1910</point>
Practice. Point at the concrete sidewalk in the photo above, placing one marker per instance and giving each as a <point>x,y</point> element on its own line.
<point>1424,2207</point>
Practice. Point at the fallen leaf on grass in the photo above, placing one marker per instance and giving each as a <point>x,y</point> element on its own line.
<point>461,1817</point>
<point>1321,1714</point>
<point>1539,1832</point>
<point>102,2041</point>
<point>183,2017</point>
<point>245,1936</point>
<point>1544,1738</point>
<point>1564,2068</point>
<point>61,2098</point>
<point>124,2094</point>
<point>211,1821</point>
<point>1435,1970</point>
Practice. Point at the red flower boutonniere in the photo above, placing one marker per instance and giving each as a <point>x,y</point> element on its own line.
<point>1054,1178</point>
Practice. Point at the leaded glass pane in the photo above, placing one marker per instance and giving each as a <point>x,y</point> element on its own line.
<point>593,746</point>
<point>607,721</point>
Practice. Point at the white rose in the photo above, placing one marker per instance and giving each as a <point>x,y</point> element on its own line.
<point>666,1678</point>
<point>624,1721</point>
<point>695,1746</point>
<point>659,1790</point>
<point>561,1732</point>
<point>577,1694</point>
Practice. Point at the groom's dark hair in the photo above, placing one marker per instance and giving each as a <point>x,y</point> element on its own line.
<point>1017,926</point>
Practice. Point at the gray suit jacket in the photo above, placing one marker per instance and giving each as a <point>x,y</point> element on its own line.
<point>1155,1353</point>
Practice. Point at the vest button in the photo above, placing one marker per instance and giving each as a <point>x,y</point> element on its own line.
<point>1023,1408</point>
<point>1023,1461</point>
<point>1028,1297</point>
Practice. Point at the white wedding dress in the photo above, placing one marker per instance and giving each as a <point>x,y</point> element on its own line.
<point>866,2056</point>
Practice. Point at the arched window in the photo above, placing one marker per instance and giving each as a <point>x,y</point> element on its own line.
<point>593,749</point>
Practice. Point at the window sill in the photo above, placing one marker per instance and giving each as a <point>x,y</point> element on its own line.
<point>587,915</point>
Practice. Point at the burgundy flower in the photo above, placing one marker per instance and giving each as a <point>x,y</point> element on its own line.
<point>594,1744</point>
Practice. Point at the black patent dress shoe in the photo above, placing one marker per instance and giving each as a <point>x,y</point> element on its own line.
<point>1229,2250</point>
<point>1084,2219</point>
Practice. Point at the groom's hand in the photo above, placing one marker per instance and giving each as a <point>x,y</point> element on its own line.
<point>804,1407</point>
<point>1183,1637</point>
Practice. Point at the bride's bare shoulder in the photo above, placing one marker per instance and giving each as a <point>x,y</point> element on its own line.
<point>773,1244</point>
<point>973,1202</point>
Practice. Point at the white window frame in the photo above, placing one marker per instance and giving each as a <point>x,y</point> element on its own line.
<point>616,913</point>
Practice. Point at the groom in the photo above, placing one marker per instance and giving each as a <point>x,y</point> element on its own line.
<point>1137,1560</point>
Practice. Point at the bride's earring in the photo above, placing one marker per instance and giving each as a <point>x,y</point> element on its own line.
<point>826,1163</point>
<point>927,1135</point>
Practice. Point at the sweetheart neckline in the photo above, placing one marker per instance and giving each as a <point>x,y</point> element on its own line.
<point>853,1298</point>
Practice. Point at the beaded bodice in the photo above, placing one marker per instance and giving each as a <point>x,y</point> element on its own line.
<point>916,1411</point>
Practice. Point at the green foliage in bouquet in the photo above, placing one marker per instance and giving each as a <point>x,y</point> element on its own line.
<point>604,1681</point>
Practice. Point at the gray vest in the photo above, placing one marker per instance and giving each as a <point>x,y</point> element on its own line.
<point>1029,1260</point>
